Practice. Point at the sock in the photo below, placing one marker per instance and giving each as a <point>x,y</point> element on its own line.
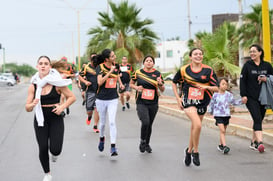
<point>113,145</point>
<point>95,127</point>
<point>89,118</point>
<point>102,139</point>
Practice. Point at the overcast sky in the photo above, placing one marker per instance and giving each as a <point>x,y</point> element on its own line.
<point>30,28</point>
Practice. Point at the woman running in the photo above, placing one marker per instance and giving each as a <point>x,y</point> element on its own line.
<point>198,84</point>
<point>148,80</point>
<point>44,95</point>
<point>107,97</point>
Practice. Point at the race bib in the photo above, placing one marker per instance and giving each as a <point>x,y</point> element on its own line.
<point>196,93</point>
<point>148,94</point>
<point>111,83</point>
<point>123,68</point>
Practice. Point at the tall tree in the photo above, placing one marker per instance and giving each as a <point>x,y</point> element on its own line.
<point>252,31</point>
<point>124,33</point>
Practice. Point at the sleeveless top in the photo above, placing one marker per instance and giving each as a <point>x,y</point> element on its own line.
<point>53,97</point>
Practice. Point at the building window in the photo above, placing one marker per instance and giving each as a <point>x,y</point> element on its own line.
<point>169,53</point>
<point>157,54</point>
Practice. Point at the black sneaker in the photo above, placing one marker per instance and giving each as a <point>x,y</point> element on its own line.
<point>148,149</point>
<point>195,159</point>
<point>254,145</point>
<point>114,151</point>
<point>67,111</point>
<point>142,146</point>
<point>226,149</point>
<point>127,105</point>
<point>220,148</point>
<point>83,102</point>
<point>187,159</point>
<point>123,108</point>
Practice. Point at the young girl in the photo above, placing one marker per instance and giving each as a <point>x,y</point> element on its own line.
<point>219,107</point>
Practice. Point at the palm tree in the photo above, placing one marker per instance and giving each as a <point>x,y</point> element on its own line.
<point>124,33</point>
<point>251,31</point>
<point>219,51</point>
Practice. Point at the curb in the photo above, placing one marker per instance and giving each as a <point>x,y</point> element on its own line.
<point>232,129</point>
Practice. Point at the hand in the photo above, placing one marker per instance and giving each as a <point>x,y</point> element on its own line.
<point>112,68</point>
<point>87,83</point>
<point>179,102</point>
<point>261,78</point>
<point>139,88</point>
<point>159,80</point>
<point>58,109</point>
<point>122,86</point>
<point>244,100</point>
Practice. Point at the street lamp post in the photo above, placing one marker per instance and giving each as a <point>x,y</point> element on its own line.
<point>78,27</point>
<point>4,64</point>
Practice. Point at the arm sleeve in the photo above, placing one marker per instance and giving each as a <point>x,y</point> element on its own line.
<point>177,78</point>
<point>243,79</point>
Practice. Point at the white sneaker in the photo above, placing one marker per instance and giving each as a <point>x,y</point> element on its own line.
<point>54,158</point>
<point>47,177</point>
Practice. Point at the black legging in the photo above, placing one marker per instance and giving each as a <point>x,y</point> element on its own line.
<point>146,114</point>
<point>50,136</point>
<point>257,112</point>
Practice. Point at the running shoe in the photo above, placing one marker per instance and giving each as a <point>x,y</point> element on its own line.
<point>54,158</point>
<point>83,102</point>
<point>67,111</point>
<point>114,151</point>
<point>187,159</point>
<point>254,145</point>
<point>195,159</point>
<point>127,105</point>
<point>95,129</point>
<point>88,121</point>
<point>226,149</point>
<point>142,146</point>
<point>220,148</point>
<point>101,144</point>
<point>148,149</point>
<point>123,108</point>
<point>47,177</point>
<point>261,147</point>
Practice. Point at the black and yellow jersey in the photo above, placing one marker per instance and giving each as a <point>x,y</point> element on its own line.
<point>126,71</point>
<point>108,90</point>
<point>89,72</point>
<point>192,80</point>
<point>148,80</point>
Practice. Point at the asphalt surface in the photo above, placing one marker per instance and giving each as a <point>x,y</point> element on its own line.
<point>81,160</point>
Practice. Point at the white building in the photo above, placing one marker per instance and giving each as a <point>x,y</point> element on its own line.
<point>170,55</point>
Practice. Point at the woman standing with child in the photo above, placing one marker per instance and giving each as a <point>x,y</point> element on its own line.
<point>198,84</point>
<point>253,73</point>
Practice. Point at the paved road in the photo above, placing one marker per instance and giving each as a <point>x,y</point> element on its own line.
<point>81,161</point>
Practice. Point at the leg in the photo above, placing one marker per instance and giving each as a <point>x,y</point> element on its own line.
<point>56,135</point>
<point>112,111</point>
<point>101,108</point>
<point>191,112</point>
<point>143,115</point>
<point>222,129</point>
<point>152,113</point>
<point>42,140</point>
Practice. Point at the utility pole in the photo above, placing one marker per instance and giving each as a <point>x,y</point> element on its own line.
<point>241,51</point>
<point>189,19</point>
<point>78,27</point>
<point>266,30</point>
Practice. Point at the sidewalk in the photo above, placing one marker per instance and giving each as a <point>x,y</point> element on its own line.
<point>240,122</point>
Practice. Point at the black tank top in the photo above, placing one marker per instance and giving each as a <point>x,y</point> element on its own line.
<point>52,98</point>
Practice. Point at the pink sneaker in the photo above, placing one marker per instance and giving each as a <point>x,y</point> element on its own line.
<point>261,147</point>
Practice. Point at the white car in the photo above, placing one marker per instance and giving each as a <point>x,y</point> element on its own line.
<point>7,81</point>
